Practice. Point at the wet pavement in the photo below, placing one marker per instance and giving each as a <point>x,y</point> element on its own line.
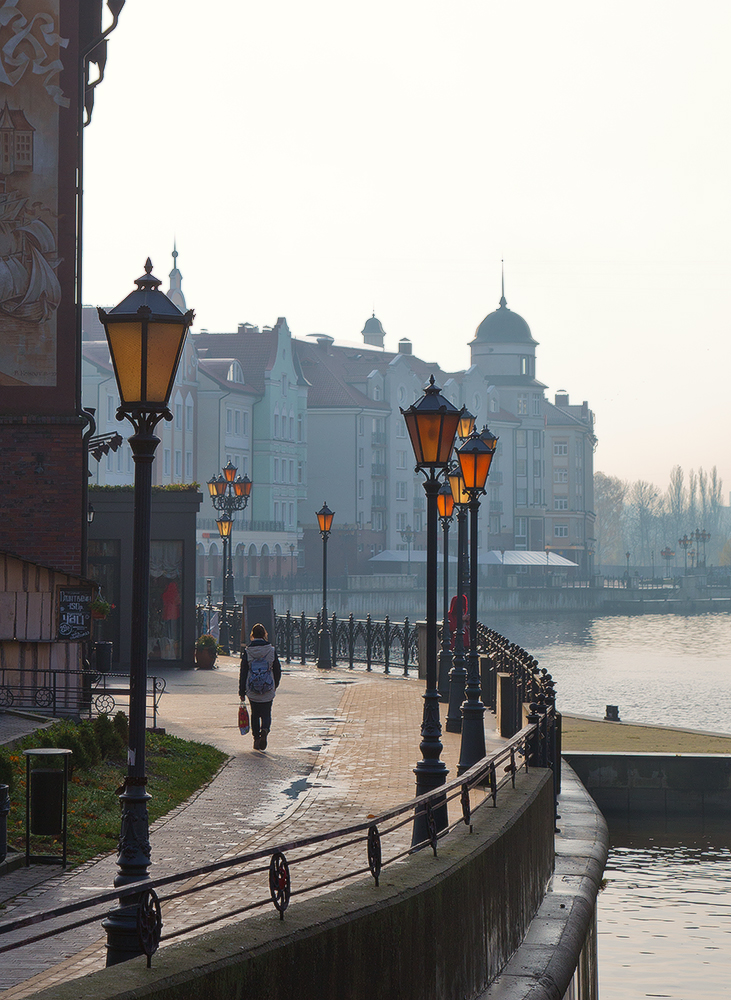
<point>343,746</point>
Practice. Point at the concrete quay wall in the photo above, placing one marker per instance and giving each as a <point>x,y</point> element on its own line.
<point>656,785</point>
<point>435,929</point>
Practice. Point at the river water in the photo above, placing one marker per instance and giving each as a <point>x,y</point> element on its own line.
<point>664,918</point>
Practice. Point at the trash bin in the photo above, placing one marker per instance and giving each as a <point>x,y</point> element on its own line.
<point>103,657</point>
<point>4,810</point>
<point>46,801</point>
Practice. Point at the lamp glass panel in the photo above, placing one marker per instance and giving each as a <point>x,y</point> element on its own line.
<point>466,424</point>
<point>432,436</point>
<point>325,520</point>
<point>224,527</point>
<point>164,344</point>
<point>445,503</point>
<point>125,345</point>
<point>459,493</point>
<point>475,466</point>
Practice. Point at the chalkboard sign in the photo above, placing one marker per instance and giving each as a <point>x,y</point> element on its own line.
<point>74,613</point>
<point>257,608</point>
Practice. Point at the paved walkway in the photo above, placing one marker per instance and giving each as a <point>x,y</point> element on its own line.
<point>343,746</point>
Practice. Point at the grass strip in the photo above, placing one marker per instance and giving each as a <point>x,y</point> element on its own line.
<point>175,770</point>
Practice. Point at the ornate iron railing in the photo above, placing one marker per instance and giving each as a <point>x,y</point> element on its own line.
<point>363,844</point>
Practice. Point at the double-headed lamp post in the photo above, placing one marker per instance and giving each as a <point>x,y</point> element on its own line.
<point>146,333</point>
<point>685,543</point>
<point>445,509</point>
<point>229,493</point>
<point>324,521</point>
<point>432,425</point>
<point>475,458</point>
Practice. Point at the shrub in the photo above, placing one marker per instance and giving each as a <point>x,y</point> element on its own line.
<point>6,770</point>
<point>111,744</point>
<point>88,738</point>
<point>121,725</point>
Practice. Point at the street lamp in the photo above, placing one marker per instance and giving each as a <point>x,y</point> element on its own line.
<point>685,543</point>
<point>626,556</point>
<point>466,425</point>
<point>700,536</point>
<point>407,535</point>
<point>667,554</point>
<point>458,673</point>
<point>229,493</point>
<point>445,509</point>
<point>224,525</point>
<point>324,520</point>
<point>146,333</point>
<point>432,425</point>
<point>548,556</point>
<point>475,458</point>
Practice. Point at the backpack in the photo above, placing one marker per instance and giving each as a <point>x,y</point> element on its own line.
<point>260,679</point>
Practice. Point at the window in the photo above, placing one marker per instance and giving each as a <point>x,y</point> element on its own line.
<point>285,385</point>
<point>522,404</point>
<point>400,429</point>
<point>300,427</point>
<point>276,510</point>
<point>276,428</point>
<point>521,467</point>
<point>524,366</point>
<point>537,468</point>
<point>110,462</point>
<point>229,421</point>
<point>537,439</point>
<point>120,459</point>
<point>245,423</point>
<point>561,531</point>
<point>560,475</point>
<point>400,459</point>
<point>189,416</point>
<point>300,472</point>
<point>178,465</point>
<point>417,522</point>
<point>291,471</point>
<point>401,490</point>
<point>401,522</point>
<point>537,498</point>
<point>110,409</point>
<point>291,427</point>
<point>166,462</point>
<point>189,466</point>
<point>560,447</point>
<point>276,474</point>
<point>361,426</point>
<point>521,439</point>
<point>361,489</point>
<point>179,416</point>
<point>237,421</point>
<point>361,458</point>
<point>560,503</point>
<point>536,405</point>
<point>376,392</point>
<point>521,498</point>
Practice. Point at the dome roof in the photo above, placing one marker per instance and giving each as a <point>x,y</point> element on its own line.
<point>504,327</point>
<point>373,325</point>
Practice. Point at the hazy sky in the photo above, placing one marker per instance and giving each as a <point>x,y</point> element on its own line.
<point>319,160</point>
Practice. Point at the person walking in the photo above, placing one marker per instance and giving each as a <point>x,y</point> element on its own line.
<point>259,679</point>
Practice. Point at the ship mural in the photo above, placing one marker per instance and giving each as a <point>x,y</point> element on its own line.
<point>30,291</point>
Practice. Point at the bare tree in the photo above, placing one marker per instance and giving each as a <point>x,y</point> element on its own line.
<point>609,497</point>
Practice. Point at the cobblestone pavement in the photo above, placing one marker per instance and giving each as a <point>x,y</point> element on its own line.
<point>343,746</point>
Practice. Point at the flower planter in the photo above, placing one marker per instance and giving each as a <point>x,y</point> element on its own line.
<point>205,658</point>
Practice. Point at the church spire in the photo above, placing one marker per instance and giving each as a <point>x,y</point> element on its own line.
<point>503,301</point>
<point>175,292</point>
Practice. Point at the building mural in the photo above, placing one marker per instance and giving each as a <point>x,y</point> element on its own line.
<point>31,50</point>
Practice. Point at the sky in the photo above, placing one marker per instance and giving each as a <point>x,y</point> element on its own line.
<point>322,160</point>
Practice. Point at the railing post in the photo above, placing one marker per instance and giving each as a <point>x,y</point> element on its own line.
<point>368,643</point>
<point>351,640</point>
<point>387,644</point>
<point>288,627</point>
<point>334,639</point>
<point>303,639</point>
<point>406,647</point>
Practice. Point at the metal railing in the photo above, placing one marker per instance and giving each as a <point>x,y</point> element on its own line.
<point>353,641</point>
<point>361,845</point>
<point>74,692</point>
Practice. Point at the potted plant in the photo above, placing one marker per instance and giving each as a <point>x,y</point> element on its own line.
<point>206,649</point>
<point>100,609</point>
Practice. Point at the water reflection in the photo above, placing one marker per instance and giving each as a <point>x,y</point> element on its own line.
<point>667,669</point>
<point>665,922</point>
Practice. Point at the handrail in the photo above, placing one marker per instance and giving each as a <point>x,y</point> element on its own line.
<point>535,745</point>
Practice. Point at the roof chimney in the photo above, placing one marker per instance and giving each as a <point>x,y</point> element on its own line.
<point>562,398</point>
<point>404,346</point>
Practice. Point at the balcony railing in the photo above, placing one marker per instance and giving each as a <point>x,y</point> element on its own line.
<point>378,470</point>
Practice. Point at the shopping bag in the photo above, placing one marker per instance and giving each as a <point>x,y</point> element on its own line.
<point>243,719</point>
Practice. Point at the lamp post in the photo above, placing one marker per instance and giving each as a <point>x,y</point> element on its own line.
<point>146,333</point>
<point>475,458</point>
<point>685,543</point>
<point>458,673</point>
<point>667,554</point>
<point>700,537</point>
<point>407,535</point>
<point>548,555</point>
<point>224,525</point>
<point>432,424</point>
<point>626,556</point>
<point>228,493</point>
<point>445,508</point>
<point>324,520</point>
